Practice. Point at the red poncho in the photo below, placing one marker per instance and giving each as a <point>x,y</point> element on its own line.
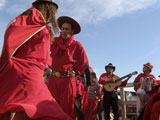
<point>150,107</point>
<point>25,54</point>
<point>21,29</point>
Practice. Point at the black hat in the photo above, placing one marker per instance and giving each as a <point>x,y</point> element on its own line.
<point>65,19</point>
<point>45,1</point>
<point>110,65</point>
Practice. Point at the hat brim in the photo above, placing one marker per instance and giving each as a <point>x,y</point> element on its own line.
<point>114,68</point>
<point>42,2</point>
<point>64,19</point>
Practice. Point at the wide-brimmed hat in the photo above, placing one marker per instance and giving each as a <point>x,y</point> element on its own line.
<point>45,1</point>
<point>110,65</point>
<point>149,65</point>
<point>65,19</point>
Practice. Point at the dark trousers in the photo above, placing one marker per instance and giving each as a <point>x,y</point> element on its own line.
<point>99,110</point>
<point>77,109</point>
<point>110,100</point>
<point>140,117</point>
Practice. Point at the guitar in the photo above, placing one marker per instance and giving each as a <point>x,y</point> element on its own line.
<point>117,82</point>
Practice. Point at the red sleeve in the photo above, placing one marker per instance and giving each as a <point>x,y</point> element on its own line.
<point>82,59</point>
<point>137,80</point>
<point>158,82</point>
<point>102,79</point>
<point>124,83</point>
<point>149,106</point>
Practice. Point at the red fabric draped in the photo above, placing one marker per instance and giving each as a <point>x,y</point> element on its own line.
<point>149,106</point>
<point>21,82</point>
<point>18,32</point>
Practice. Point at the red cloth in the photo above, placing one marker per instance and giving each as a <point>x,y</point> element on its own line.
<point>80,87</point>
<point>152,109</point>
<point>90,109</point>
<point>84,100</point>
<point>137,79</point>
<point>155,113</point>
<point>18,32</point>
<point>103,78</point>
<point>69,56</point>
<point>65,57</point>
<point>89,106</point>
<point>21,81</point>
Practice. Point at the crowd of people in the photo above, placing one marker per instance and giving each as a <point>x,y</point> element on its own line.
<point>43,77</point>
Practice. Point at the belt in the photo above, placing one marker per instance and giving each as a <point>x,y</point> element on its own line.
<point>70,73</point>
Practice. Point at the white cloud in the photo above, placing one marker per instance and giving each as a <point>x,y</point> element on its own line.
<point>93,11</point>
<point>2,3</point>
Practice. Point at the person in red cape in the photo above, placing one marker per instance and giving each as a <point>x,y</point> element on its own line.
<point>152,110</point>
<point>69,60</point>
<point>110,98</point>
<point>26,52</point>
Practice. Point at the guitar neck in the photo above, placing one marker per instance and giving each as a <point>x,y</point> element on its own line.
<point>122,78</point>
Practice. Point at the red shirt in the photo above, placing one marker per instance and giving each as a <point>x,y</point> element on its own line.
<point>69,56</point>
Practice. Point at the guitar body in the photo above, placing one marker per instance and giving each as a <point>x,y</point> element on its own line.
<point>111,86</point>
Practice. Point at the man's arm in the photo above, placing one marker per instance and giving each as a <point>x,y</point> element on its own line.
<point>88,76</point>
<point>124,83</point>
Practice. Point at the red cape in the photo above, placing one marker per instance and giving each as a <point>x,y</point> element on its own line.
<point>148,109</point>
<point>20,30</point>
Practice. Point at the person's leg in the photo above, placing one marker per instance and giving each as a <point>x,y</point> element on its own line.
<point>93,109</point>
<point>86,110</point>
<point>115,107</point>
<point>106,105</point>
<point>20,116</point>
<point>100,110</point>
<point>67,98</point>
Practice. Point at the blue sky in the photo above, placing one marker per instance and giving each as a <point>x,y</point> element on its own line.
<point>123,32</point>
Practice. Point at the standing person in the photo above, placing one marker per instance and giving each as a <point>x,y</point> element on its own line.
<point>69,60</point>
<point>93,95</point>
<point>26,52</point>
<point>110,98</point>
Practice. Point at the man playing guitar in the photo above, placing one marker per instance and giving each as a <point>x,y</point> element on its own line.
<point>110,98</point>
